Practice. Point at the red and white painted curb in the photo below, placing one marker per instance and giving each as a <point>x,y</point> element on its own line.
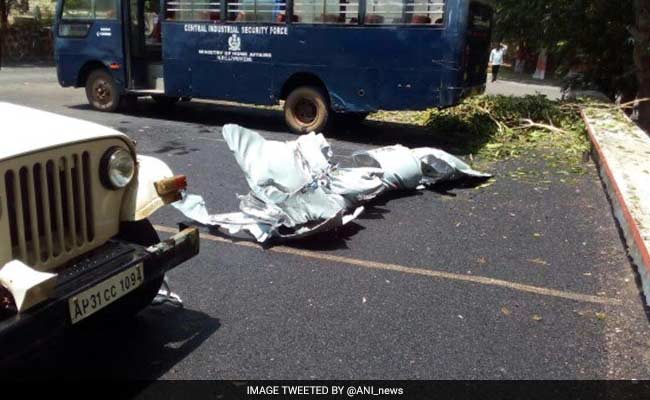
<point>619,147</point>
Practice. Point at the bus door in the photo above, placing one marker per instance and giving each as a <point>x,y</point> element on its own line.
<point>477,47</point>
<point>144,44</point>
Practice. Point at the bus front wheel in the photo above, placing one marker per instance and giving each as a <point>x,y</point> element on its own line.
<point>102,92</point>
<point>307,110</point>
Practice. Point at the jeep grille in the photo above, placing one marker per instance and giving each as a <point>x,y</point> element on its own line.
<point>50,208</point>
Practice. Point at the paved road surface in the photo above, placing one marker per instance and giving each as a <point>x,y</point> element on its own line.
<point>512,88</point>
<point>516,280</point>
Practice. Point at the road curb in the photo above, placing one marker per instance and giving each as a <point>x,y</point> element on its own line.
<point>608,163</point>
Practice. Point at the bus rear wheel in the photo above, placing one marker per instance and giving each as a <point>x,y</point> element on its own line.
<point>102,92</point>
<point>307,110</point>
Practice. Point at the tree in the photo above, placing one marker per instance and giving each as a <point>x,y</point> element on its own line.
<point>589,35</point>
<point>641,34</point>
<point>609,41</point>
<point>7,6</point>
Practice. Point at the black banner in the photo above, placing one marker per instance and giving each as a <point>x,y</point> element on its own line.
<point>455,390</point>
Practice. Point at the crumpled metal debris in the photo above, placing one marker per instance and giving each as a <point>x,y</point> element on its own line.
<point>165,295</point>
<point>410,169</point>
<point>290,193</point>
<point>296,190</point>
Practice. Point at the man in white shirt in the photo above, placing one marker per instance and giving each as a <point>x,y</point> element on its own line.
<point>496,59</point>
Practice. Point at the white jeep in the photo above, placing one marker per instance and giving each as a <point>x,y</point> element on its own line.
<point>75,240</point>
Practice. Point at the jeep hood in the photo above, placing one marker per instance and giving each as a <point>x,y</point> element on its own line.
<point>27,130</point>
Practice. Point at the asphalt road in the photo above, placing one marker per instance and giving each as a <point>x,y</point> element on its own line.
<point>520,279</point>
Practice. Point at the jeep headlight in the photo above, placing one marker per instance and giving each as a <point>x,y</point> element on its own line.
<point>117,168</point>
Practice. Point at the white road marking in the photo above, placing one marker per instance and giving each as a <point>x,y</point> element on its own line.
<point>585,298</point>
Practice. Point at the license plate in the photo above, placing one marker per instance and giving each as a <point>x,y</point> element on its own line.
<point>101,295</point>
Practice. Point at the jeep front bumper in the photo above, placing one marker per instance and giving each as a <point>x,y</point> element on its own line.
<point>20,332</point>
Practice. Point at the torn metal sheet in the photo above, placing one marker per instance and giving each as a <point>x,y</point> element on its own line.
<point>290,175</point>
<point>438,166</point>
<point>165,295</point>
<point>291,194</point>
<point>296,190</point>
<point>193,207</point>
<point>357,185</point>
<point>409,169</point>
<point>401,168</point>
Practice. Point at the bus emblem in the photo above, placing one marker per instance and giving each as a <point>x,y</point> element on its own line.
<point>234,42</point>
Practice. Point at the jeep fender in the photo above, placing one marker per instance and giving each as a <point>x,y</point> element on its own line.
<point>141,198</point>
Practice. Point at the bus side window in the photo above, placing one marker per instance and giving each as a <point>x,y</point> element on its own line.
<point>77,9</point>
<point>193,10</point>
<point>105,9</point>
<point>384,12</point>
<point>257,10</point>
<point>179,10</point>
<point>326,11</point>
<point>418,12</point>
<point>89,9</point>
<point>207,10</point>
<point>429,12</point>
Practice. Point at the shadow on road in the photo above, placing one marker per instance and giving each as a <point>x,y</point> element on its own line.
<point>375,210</point>
<point>210,115</point>
<point>389,133</point>
<point>207,114</point>
<point>142,348</point>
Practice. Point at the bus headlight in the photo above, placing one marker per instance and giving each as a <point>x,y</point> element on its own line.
<point>117,168</point>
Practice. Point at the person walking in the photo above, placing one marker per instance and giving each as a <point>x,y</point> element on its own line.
<point>496,59</point>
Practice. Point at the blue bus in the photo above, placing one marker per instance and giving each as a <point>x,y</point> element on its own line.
<point>326,59</point>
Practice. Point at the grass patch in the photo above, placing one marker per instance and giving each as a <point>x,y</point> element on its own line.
<point>418,118</point>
